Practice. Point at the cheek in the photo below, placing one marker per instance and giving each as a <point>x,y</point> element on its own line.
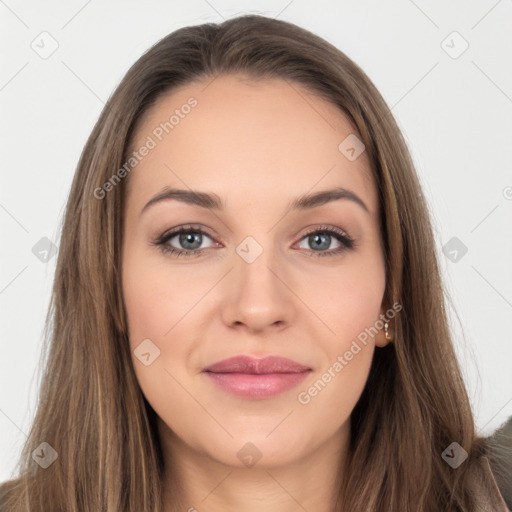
<point>164,303</point>
<point>155,298</point>
<point>348,299</point>
<point>348,302</point>
<point>329,398</point>
<point>350,313</point>
<point>156,303</point>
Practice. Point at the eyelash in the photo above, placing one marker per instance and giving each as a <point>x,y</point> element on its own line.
<point>161,242</point>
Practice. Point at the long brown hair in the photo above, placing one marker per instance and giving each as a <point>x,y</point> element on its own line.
<point>91,410</point>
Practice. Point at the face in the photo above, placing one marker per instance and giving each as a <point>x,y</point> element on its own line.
<point>253,275</point>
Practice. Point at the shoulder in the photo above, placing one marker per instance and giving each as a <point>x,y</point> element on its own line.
<point>487,493</point>
<point>492,473</point>
<point>500,459</point>
<point>10,491</point>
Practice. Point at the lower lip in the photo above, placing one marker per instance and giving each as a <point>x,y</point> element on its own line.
<point>257,386</point>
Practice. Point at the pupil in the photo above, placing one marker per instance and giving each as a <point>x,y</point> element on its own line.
<point>189,238</point>
<point>325,239</point>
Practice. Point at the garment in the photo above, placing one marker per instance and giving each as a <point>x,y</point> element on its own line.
<point>488,494</point>
<point>492,477</point>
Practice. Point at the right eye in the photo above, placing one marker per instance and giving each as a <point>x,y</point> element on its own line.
<point>188,237</point>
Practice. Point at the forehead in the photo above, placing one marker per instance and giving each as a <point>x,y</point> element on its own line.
<point>240,137</point>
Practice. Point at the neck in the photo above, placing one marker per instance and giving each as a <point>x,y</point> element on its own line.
<point>196,481</point>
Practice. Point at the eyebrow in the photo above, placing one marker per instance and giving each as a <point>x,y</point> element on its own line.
<point>214,202</point>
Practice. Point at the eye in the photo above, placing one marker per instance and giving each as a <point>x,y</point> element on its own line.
<point>321,238</point>
<point>187,241</point>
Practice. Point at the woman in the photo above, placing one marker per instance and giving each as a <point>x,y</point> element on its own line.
<point>297,354</point>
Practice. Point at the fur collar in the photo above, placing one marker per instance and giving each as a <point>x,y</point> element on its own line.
<point>500,460</point>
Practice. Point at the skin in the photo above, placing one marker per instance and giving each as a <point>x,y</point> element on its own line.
<point>257,145</point>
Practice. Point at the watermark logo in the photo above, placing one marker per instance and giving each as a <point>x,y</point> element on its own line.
<point>454,45</point>
<point>249,249</point>
<point>454,249</point>
<point>45,45</point>
<point>351,147</point>
<point>304,397</point>
<point>150,143</point>
<point>146,352</point>
<point>249,454</point>
<point>44,249</point>
<point>454,455</point>
<point>45,455</point>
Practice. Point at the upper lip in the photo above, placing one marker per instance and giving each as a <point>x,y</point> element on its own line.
<point>251,365</point>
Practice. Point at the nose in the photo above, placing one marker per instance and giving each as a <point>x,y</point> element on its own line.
<point>258,296</point>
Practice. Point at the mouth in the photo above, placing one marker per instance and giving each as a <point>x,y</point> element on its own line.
<point>251,378</point>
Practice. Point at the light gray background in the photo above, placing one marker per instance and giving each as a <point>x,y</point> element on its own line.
<point>454,112</point>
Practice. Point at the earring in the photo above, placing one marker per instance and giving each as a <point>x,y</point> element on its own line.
<point>386,330</point>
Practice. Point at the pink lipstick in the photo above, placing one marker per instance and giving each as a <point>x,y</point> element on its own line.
<point>251,378</point>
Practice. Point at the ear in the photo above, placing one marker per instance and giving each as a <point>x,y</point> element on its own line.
<point>380,337</point>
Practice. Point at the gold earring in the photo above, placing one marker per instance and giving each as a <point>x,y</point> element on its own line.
<point>386,327</point>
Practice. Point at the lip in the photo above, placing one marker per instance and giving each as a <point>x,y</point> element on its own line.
<point>252,365</point>
<point>251,378</point>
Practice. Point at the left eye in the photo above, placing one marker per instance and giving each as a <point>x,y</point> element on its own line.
<point>320,240</point>
<point>191,239</point>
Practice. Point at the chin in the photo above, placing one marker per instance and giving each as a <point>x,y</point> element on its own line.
<point>252,449</point>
